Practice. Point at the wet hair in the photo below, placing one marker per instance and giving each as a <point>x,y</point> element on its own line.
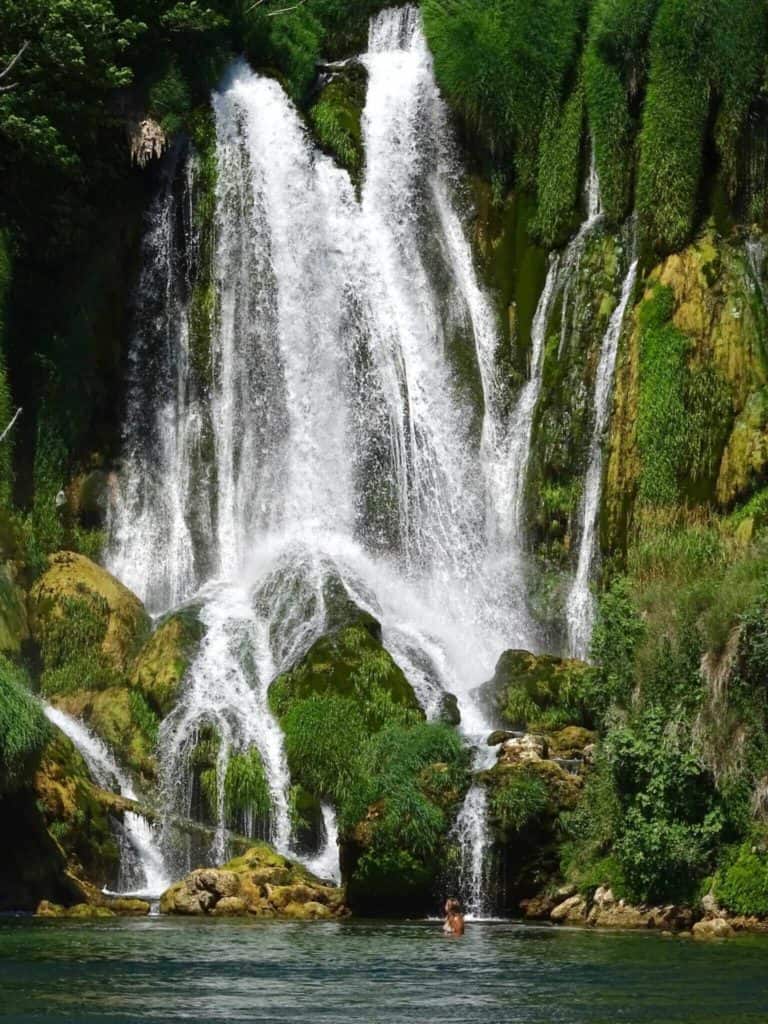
<point>453,905</point>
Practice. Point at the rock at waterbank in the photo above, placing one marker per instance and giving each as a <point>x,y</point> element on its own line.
<point>712,928</point>
<point>104,908</point>
<point>605,911</point>
<point>260,883</point>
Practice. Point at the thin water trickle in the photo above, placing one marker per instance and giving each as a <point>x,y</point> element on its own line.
<point>580,604</point>
<point>143,870</point>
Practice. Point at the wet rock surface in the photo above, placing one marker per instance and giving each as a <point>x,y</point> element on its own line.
<point>260,883</point>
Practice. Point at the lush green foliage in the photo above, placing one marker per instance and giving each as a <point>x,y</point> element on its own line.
<point>614,73</point>
<point>499,62</point>
<point>522,799</point>
<point>24,730</point>
<point>684,413</point>
<point>245,787</point>
<point>741,886</point>
<point>682,655</point>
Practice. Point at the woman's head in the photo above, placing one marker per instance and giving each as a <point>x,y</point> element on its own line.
<point>452,906</point>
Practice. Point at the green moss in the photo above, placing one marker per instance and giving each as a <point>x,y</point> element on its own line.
<point>661,425</point>
<point>348,663</point>
<point>162,663</point>
<point>520,800</point>
<point>615,60</point>
<point>538,691</point>
<point>70,645</point>
<point>24,730</point>
<point>559,176</point>
<point>497,73</point>
<point>335,118</point>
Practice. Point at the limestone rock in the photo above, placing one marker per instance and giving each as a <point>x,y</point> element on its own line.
<point>500,736</point>
<point>712,928</point>
<point>81,910</point>
<point>147,141</point>
<point>125,906</point>
<point>242,887</point>
<point>571,742</point>
<point>538,908</point>
<point>523,748</point>
<point>571,911</point>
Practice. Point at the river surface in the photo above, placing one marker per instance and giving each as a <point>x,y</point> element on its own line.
<point>168,970</point>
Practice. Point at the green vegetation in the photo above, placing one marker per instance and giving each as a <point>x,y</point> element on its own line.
<point>684,413</point>
<point>24,730</point>
<point>679,649</point>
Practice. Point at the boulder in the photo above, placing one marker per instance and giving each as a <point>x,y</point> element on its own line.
<point>241,887</point>
<point>570,742</point>
<point>538,908</point>
<point>77,609</point>
<point>527,688</point>
<point>712,928</point>
<point>164,659</point>
<point>523,748</point>
<point>571,911</point>
<point>500,736</point>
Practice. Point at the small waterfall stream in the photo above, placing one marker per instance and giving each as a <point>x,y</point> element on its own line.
<point>143,870</point>
<point>580,604</point>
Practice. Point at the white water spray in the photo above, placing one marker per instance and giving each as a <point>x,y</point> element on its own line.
<point>151,878</point>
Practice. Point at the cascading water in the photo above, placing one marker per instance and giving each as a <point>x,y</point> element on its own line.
<point>326,864</point>
<point>143,871</point>
<point>337,441</point>
<point>580,605</point>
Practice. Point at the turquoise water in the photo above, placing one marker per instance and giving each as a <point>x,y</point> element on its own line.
<point>186,970</point>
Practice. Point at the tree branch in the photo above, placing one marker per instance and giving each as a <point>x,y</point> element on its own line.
<point>10,425</point>
<point>9,68</point>
<point>274,14</point>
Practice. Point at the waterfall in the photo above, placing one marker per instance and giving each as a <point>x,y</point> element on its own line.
<point>326,864</point>
<point>580,605</point>
<point>143,871</point>
<point>338,439</point>
<point>473,837</point>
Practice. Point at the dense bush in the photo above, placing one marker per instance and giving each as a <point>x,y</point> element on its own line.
<point>742,884</point>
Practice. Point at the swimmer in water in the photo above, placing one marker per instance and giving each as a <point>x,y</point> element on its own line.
<point>454,919</point>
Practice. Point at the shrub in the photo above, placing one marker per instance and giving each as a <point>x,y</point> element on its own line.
<point>741,886</point>
<point>519,801</point>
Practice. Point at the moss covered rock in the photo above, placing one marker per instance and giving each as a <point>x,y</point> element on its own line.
<point>536,691</point>
<point>165,657</point>
<point>88,626</point>
<point>336,119</point>
<point>123,719</point>
<point>260,883</point>
<point>348,662</point>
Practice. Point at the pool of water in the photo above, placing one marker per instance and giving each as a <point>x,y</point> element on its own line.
<point>160,969</point>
